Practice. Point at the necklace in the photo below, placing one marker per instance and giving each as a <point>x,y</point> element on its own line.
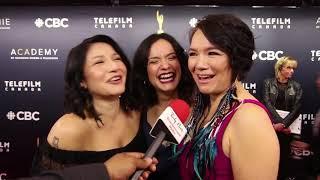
<point>203,145</point>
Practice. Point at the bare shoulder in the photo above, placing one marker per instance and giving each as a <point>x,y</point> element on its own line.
<point>68,132</point>
<point>251,115</point>
<point>252,137</point>
<point>252,123</point>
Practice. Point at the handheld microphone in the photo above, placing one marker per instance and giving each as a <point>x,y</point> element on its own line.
<point>169,127</point>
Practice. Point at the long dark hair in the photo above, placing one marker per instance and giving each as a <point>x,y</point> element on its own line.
<point>232,36</point>
<point>142,88</point>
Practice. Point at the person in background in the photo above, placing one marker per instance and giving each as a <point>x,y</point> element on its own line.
<point>283,93</point>
<point>100,118</point>
<point>160,74</point>
<point>316,136</point>
<point>230,133</point>
<point>120,166</point>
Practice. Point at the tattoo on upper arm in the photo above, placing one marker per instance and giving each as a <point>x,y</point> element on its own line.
<point>55,142</point>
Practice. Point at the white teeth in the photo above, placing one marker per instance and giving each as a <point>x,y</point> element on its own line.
<point>166,80</point>
<point>205,76</point>
<point>116,78</point>
<point>165,76</point>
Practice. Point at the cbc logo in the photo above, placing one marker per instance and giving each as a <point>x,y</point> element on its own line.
<point>267,55</point>
<point>52,22</point>
<point>193,22</point>
<point>24,115</point>
<point>3,176</point>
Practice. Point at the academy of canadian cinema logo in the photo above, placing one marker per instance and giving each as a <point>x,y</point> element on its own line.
<point>5,23</point>
<point>160,20</point>
<point>113,22</point>
<point>270,23</point>
<point>22,86</point>
<point>34,54</point>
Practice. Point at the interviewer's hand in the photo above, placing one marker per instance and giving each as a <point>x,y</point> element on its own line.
<point>286,131</point>
<point>121,166</point>
<point>278,126</point>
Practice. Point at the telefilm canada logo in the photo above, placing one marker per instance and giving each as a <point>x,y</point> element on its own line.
<point>251,87</point>
<point>260,23</point>
<point>318,23</point>
<point>113,22</point>
<point>51,23</point>
<point>34,54</point>
<point>22,86</point>
<point>267,55</point>
<point>4,146</point>
<point>315,55</point>
<point>308,118</point>
<point>24,115</point>
<point>5,23</point>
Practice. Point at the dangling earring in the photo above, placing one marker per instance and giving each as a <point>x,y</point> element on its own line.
<point>83,85</point>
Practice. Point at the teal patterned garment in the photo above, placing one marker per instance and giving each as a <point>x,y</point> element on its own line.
<point>203,144</point>
<point>220,168</point>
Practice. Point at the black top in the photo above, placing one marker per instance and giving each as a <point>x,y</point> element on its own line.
<point>88,171</point>
<point>292,99</point>
<point>50,158</point>
<point>281,101</point>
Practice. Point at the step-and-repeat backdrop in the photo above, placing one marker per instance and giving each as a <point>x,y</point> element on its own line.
<point>34,43</point>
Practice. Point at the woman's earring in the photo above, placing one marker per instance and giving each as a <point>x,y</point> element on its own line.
<point>83,85</point>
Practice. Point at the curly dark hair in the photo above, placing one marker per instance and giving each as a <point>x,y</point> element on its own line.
<point>232,36</point>
<point>77,99</point>
<point>142,89</point>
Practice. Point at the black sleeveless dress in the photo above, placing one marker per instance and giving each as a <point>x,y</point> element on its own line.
<point>50,158</point>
